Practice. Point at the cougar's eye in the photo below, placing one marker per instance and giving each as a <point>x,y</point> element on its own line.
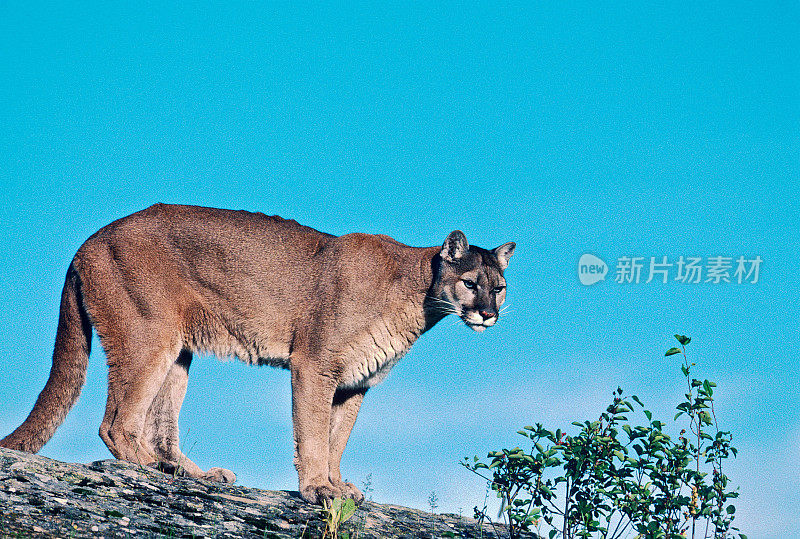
<point>498,289</point>
<point>469,284</point>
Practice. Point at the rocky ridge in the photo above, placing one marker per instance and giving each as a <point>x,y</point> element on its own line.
<point>40,497</point>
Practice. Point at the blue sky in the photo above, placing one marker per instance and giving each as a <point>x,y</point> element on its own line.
<point>618,130</point>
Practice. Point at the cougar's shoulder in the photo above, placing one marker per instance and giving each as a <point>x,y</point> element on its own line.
<point>370,280</point>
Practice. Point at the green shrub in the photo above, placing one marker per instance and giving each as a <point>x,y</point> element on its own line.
<point>616,479</point>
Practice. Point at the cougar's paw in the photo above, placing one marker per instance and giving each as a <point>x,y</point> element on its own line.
<point>318,494</point>
<point>220,475</point>
<point>349,490</point>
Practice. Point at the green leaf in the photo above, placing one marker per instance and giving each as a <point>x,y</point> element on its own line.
<point>673,351</point>
<point>708,387</point>
<point>347,510</point>
<point>683,339</point>
<point>634,397</point>
<point>335,505</point>
<point>730,509</point>
<point>648,414</point>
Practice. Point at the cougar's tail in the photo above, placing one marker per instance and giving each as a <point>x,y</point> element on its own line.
<point>67,375</point>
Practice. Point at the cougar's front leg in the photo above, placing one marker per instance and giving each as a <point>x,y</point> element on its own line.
<point>346,404</point>
<point>312,401</point>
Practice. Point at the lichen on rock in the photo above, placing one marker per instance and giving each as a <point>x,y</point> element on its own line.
<point>41,497</point>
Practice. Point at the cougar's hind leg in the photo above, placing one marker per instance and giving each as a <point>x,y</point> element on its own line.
<point>138,365</point>
<point>161,425</point>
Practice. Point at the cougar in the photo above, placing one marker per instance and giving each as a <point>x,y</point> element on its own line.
<point>338,312</point>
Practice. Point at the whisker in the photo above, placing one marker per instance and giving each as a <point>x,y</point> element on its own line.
<point>440,301</point>
<point>448,308</point>
<point>441,306</point>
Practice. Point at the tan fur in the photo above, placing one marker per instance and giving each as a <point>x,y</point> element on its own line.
<point>338,312</point>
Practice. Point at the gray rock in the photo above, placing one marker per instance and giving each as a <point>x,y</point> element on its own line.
<point>40,497</point>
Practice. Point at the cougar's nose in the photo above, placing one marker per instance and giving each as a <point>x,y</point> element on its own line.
<point>487,314</point>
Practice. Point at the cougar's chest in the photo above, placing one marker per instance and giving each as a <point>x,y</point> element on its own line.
<point>376,350</point>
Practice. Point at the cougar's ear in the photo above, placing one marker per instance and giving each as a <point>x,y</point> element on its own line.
<point>455,246</point>
<point>503,253</point>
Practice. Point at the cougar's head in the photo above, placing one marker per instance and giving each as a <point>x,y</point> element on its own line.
<point>470,282</point>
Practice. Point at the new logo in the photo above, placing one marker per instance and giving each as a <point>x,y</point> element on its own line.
<point>591,269</point>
